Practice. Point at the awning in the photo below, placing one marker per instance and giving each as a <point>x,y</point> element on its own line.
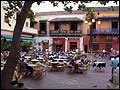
<point>27,39</point>
<point>9,38</point>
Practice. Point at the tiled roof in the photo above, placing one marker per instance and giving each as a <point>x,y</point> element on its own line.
<point>98,9</point>
<point>58,13</point>
<point>108,17</point>
<point>65,19</point>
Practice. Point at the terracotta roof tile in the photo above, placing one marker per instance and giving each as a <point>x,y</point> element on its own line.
<point>66,19</point>
<point>116,8</point>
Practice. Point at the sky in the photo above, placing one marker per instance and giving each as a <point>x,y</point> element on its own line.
<point>46,6</point>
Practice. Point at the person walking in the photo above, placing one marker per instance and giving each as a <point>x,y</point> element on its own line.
<point>114,66</point>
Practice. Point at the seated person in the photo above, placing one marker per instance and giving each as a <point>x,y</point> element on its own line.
<point>16,80</point>
<point>76,67</point>
<point>23,67</point>
<point>72,62</point>
<point>38,71</point>
<point>82,61</point>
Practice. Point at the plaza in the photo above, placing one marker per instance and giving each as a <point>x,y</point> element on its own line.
<point>62,50</point>
<point>61,80</point>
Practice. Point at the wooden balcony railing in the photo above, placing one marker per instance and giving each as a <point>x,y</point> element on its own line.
<point>42,33</point>
<point>104,31</point>
<point>65,33</point>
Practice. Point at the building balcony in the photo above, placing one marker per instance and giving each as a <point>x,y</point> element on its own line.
<point>30,30</point>
<point>104,31</point>
<point>65,33</point>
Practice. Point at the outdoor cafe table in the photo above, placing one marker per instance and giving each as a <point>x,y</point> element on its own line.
<point>61,59</point>
<point>27,57</point>
<point>35,60</point>
<point>100,64</point>
<point>32,65</point>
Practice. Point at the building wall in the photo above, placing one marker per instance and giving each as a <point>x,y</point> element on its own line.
<point>102,42</point>
<point>104,23</point>
<point>36,26</point>
<point>4,25</point>
<point>6,29</point>
<point>115,42</point>
<point>51,26</point>
<point>65,26</point>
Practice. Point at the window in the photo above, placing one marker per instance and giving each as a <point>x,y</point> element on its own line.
<point>115,24</point>
<point>108,39</point>
<point>26,24</point>
<point>42,28</point>
<point>6,19</point>
<point>96,39</point>
<point>31,24</point>
<point>56,25</point>
<point>108,46</point>
<point>95,46</point>
<point>94,25</point>
<point>74,26</point>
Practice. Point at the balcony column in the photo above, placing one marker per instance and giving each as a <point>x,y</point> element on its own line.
<point>50,44</point>
<point>81,43</point>
<point>66,44</point>
<point>48,23</point>
<point>110,25</point>
<point>99,28</point>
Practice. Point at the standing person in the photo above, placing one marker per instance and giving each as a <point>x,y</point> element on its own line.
<point>114,65</point>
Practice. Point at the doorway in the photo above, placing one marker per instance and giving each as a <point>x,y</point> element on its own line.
<point>58,48</point>
<point>73,45</point>
<point>86,48</point>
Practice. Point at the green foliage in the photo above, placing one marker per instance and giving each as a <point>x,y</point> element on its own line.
<point>27,44</point>
<point>103,2</point>
<point>15,7</point>
<point>69,9</point>
<point>111,8</point>
<point>39,43</point>
<point>5,44</point>
<point>31,15</point>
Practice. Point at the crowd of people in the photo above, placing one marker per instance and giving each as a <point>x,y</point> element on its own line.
<point>77,59</point>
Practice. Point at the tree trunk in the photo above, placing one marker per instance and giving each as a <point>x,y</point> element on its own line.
<point>12,60</point>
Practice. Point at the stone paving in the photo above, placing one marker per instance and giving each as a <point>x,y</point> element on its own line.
<point>62,80</point>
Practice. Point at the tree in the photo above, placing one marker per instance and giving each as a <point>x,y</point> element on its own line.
<point>26,44</point>
<point>22,9</point>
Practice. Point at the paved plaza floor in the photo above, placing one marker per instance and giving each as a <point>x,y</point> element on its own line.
<point>62,80</point>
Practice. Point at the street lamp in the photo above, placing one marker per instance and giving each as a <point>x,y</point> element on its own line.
<point>90,22</point>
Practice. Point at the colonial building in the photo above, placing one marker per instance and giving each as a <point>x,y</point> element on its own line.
<point>105,30</point>
<point>61,28</point>
<point>68,31</point>
<point>28,32</point>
